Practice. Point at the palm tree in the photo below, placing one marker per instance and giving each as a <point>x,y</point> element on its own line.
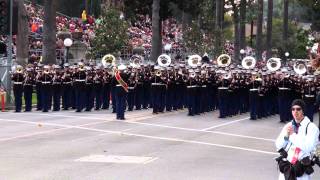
<point>23,33</point>
<point>269,28</point>
<point>243,12</point>
<point>49,32</point>
<point>236,31</point>
<point>285,25</point>
<point>218,27</point>
<point>259,30</point>
<point>156,34</point>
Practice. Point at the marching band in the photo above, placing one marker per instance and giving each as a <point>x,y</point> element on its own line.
<point>166,86</point>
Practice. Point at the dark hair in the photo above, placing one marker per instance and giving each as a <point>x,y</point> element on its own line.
<point>298,102</point>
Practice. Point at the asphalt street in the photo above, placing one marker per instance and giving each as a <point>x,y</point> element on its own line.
<point>170,146</point>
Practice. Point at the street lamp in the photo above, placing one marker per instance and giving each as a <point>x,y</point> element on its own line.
<point>242,52</point>
<point>286,54</point>
<point>67,43</point>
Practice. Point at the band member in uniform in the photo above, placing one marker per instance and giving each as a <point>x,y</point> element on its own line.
<point>131,90</point>
<point>66,87</point>
<point>18,79</point>
<point>57,87</point>
<point>79,84</point>
<point>38,69</point>
<point>46,87</point>
<point>284,96</point>
<point>309,97</point>
<point>98,87</point>
<point>89,89</point>
<point>191,93</point>
<point>121,89</point>
<point>28,88</point>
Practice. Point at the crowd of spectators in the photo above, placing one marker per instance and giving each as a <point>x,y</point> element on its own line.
<point>140,33</point>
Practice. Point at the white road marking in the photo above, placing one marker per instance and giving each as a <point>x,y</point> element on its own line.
<point>48,131</point>
<point>224,124</point>
<point>116,159</point>
<point>148,136</point>
<point>197,130</point>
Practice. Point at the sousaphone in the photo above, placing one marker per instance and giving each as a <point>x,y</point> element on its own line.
<point>273,64</point>
<point>136,61</point>
<point>248,62</point>
<point>300,67</point>
<point>224,60</point>
<point>164,60</point>
<point>108,60</point>
<point>194,60</point>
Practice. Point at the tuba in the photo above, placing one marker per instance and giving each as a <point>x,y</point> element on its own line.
<point>300,67</point>
<point>136,61</point>
<point>273,64</point>
<point>164,60</point>
<point>194,60</point>
<point>224,60</point>
<point>248,62</point>
<point>108,60</point>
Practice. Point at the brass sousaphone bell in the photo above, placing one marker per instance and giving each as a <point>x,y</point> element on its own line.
<point>194,60</point>
<point>164,60</point>
<point>273,64</point>
<point>248,62</point>
<point>108,60</point>
<point>136,61</point>
<point>300,67</point>
<point>224,60</point>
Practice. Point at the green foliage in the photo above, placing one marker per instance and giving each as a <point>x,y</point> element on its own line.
<point>196,41</point>
<point>297,39</point>
<point>111,34</point>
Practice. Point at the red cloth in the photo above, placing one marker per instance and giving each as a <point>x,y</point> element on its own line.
<point>34,27</point>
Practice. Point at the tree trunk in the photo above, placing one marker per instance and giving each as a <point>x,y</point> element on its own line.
<point>251,34</point>
<point>23,34</point>
<point>236,54</point>
<point>269,29</point>
<point>285,25</point>
<point>49,32</point>
<point>259,31</point>
<point>218,28</point>
<point>156,40</point>
<point>243,11</point>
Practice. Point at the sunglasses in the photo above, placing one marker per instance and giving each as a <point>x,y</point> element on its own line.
<point>295,109</point>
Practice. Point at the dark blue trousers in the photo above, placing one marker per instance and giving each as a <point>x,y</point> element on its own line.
<point>17,91</point>
<point>27,93</point>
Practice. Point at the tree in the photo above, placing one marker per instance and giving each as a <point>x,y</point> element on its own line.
<point>243,12</point>
<point>218,28</point>
<point>23,34</point>
<point>259,30</point>
<point>156,26</point>
<point>269,28</point>
<point>111,35</point>
<point>235,9</point>
<point>49,32</point>
<point>285,24</point>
